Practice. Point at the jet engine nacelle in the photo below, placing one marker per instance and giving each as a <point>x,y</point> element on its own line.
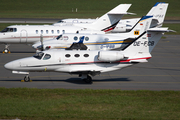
<point>110,56</point>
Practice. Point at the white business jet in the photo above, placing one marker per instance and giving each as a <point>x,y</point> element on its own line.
<point>124,25</point>
<point>30,34</point>
<point>105,41</point>
<point>89,63</point>
<point>70,41</point>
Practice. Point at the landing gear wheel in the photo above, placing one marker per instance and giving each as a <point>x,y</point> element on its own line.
<point>26,79</point>
<point>88,79</point>
<point>6,51</point>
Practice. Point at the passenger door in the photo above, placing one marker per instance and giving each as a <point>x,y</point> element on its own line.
<point>23,36</point>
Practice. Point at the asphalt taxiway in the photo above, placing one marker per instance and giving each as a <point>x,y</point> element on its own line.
<point>162,72</point>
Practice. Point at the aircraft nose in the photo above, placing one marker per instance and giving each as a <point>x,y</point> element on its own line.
<point>9,65</point>
<point>35,46</point>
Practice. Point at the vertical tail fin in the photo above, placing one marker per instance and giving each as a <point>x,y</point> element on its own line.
<point>145,43</point>
<point>142,25</point>
<point>158,12</point>
<point>109,20</point>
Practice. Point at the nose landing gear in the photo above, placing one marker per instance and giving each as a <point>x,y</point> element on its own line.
<point>6,49</point>
<point>27,78</point>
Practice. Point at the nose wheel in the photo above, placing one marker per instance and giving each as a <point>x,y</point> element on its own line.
<point>27,78</point>
<point>6,49</point>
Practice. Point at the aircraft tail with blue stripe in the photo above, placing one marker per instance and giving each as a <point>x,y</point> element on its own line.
<point>158,12</point>
<point>142,25</point>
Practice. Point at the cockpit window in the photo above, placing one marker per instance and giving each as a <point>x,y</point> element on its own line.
<point>9,30</point>
<point>61,21</point>
<point>59,37</point>
<point>39,55</point>
<point>47,56</point>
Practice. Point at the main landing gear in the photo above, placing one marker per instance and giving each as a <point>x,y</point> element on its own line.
<point>6,49</point>
<point>86,78</point>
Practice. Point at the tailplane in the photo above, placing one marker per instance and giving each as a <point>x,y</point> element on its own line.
<point>144,44</point>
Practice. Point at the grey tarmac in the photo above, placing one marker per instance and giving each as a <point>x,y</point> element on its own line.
<point>162,72</point>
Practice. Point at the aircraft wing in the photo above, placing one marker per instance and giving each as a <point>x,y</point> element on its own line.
<point>80,70</point>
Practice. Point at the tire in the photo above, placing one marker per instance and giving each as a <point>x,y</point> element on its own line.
<point>6,51</point>
<point>26,79</point>
<point>88,80</point>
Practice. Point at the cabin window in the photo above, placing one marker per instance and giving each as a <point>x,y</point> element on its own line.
<point>86,55</point>
<point>47,56</point>
<point>36,31</point>
<point>58,32</point>
<point>75,38</point>
<point>39,55</point>
<point>86,38</point>
<point>76,55</point>
<point>14,29</point>
<point>67,55</point>
<point>41,31</point>
<point>52,31</point>
<point>46,31</point>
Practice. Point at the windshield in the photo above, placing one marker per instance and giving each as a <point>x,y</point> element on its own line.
<point>61,21</point>
<point>47,56</point>
<point>9,30</point>
<point>60,36</point>
<point>39,55</point>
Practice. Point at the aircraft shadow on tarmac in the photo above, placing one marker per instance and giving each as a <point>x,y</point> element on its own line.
<point>75,80</point>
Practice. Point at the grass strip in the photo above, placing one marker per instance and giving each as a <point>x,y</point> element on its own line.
<point>28,103</point>
<point>85,9</point>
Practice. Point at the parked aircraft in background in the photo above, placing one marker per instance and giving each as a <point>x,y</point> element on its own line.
<point>30,34</point>
<point>89,63</point>
<point>125,24</point>
<point>95,41</point>
<point>106,41</point>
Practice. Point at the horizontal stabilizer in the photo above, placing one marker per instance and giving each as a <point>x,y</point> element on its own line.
<point>125,13</point>
<point>159,30</point>
<point>137,61</point>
